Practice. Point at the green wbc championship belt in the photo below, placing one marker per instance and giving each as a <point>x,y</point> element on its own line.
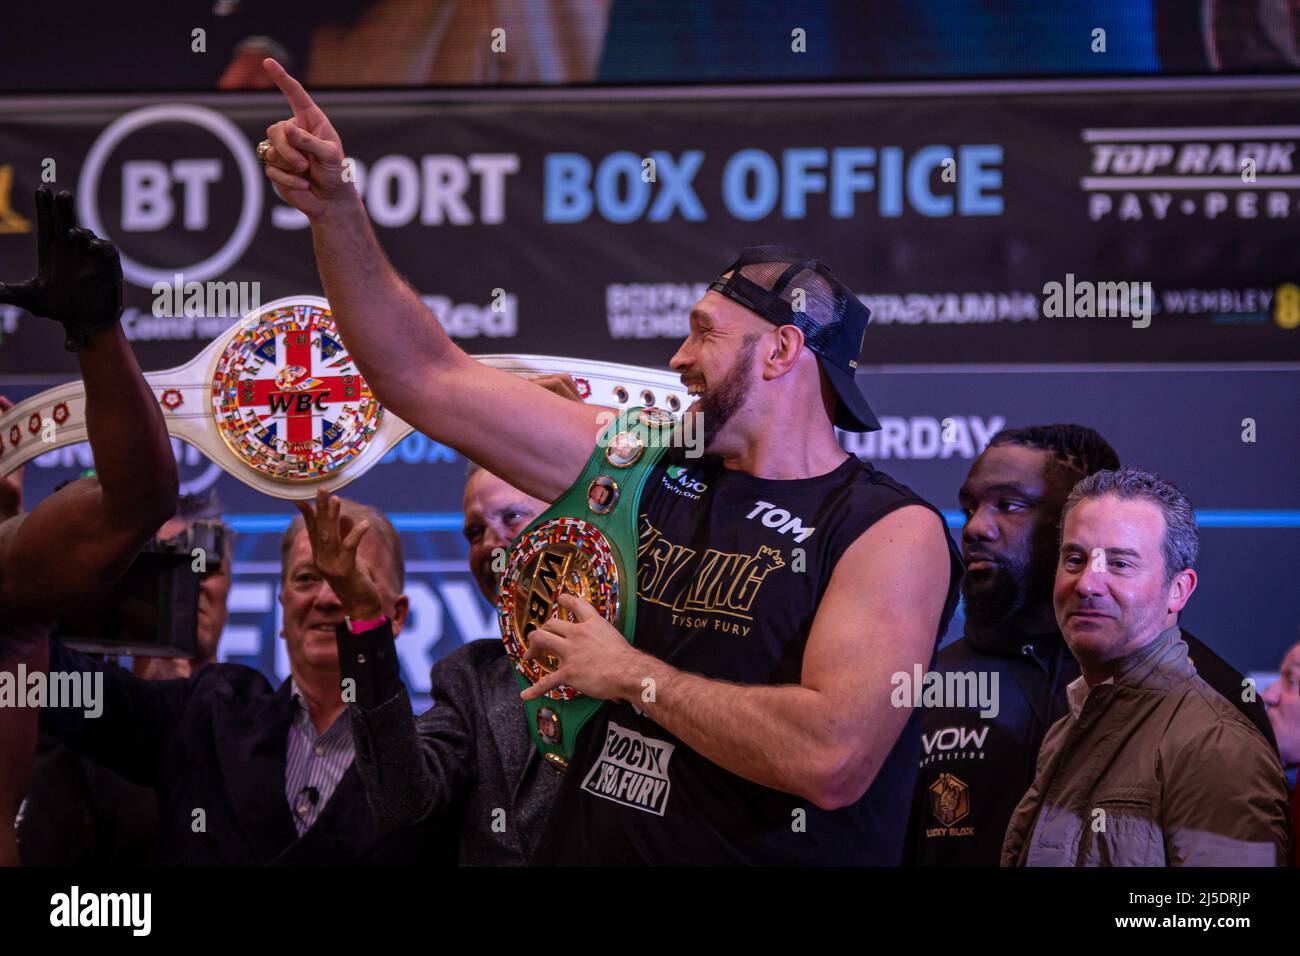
<point>586,545</point>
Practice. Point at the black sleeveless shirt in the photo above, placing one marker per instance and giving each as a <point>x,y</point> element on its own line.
<point>730,571</point>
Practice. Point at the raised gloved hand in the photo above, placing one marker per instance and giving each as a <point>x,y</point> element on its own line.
<point>78,279</point>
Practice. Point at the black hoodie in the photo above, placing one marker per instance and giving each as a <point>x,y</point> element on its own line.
<point>974,770</point>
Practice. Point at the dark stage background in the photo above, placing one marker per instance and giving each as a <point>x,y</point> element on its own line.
<point>948,207</point>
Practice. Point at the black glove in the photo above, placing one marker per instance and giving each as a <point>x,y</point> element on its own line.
<point>78,275</point>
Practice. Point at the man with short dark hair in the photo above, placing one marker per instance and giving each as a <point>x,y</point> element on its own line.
<point>466,770</point>
<point>976,766</point>
<point>772,608</point>
<point>80,813</point>
<point>1151,766</point>
<point>466,766</point>
<point>214,588</point>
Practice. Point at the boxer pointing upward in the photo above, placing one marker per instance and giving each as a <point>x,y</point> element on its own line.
<point>776,597</point>
<point>400,345</point>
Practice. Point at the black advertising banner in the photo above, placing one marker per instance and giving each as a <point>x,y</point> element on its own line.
<point>994,231</point>
<point>1034,223</point>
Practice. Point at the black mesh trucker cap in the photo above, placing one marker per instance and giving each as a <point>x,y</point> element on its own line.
<point>768,280</point>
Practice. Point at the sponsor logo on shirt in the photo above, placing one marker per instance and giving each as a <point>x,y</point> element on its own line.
<point>703,589</point>
<point>954,743</point>
<point>678,480</point>
<point>950,803</point>
<point>632,770</point>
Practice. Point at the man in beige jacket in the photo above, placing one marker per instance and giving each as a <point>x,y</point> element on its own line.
<point>1151,766</point>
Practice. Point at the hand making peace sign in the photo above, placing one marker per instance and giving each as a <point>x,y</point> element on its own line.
<point>334,541</point>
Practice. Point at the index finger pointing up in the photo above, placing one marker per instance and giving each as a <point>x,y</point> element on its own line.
<point>299,101</point>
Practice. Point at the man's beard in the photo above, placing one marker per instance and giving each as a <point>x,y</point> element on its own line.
<point>993,597</point>
<point>720,402</point>
<point>490,582</point>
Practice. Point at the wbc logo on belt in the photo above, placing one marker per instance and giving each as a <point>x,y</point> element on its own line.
<point>288,399</point>
<point>557,556</point>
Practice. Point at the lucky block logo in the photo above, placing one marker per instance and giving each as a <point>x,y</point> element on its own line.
<point>949,799</point>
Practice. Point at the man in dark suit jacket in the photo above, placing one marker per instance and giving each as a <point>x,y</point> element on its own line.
<point>466,770</point>
<point>246,773</point>
<point>79,813</point>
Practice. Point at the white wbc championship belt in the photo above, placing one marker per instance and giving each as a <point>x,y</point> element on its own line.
<point>277,401</point>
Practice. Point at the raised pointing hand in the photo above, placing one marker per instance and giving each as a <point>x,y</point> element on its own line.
<point>305,161</point>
